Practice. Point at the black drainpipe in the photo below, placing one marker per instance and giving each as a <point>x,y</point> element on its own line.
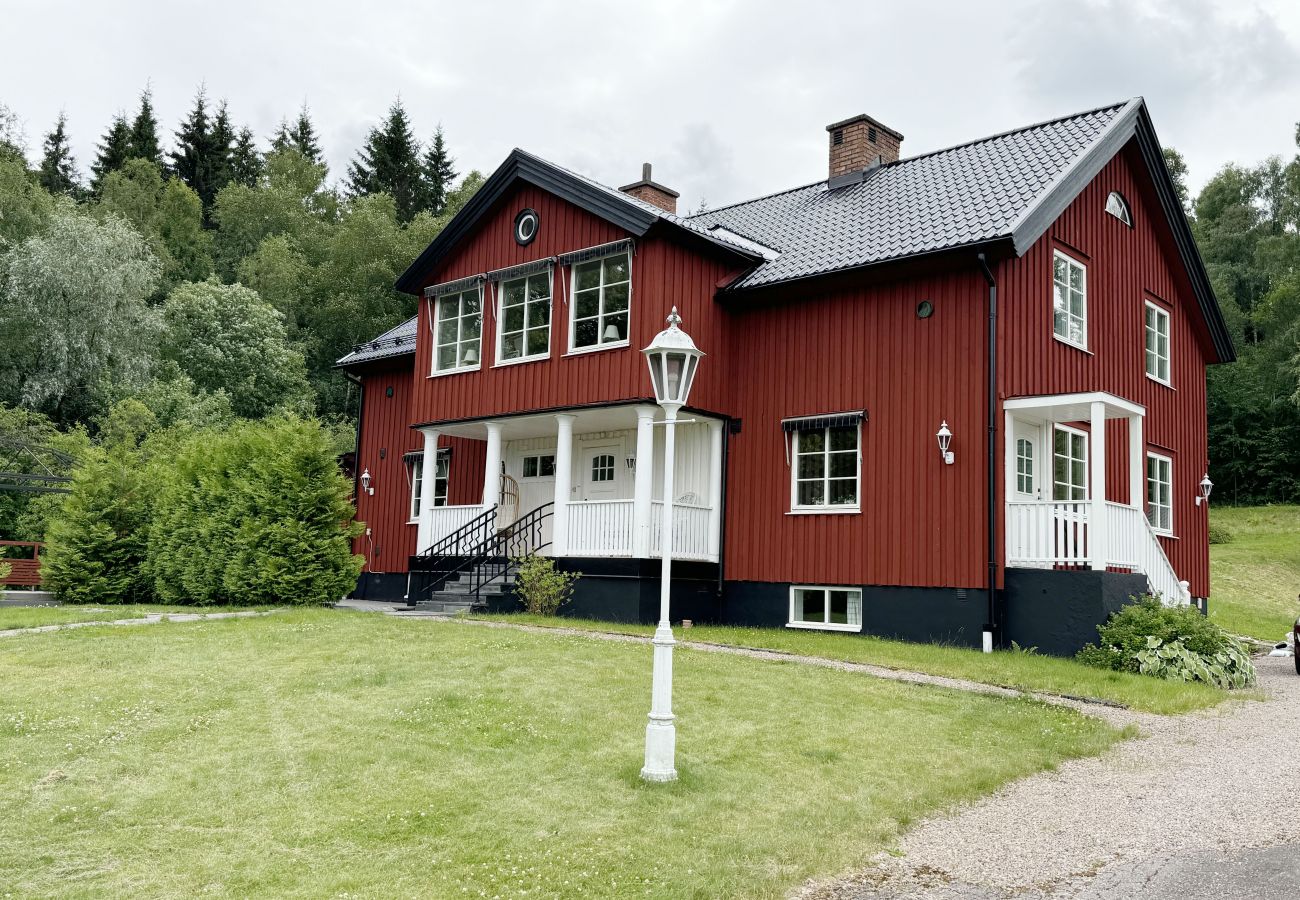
<point>992,626</point>
<point>356,464</point>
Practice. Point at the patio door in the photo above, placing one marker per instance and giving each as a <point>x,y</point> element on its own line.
<point>600,472</point>
<point>1030,466</point>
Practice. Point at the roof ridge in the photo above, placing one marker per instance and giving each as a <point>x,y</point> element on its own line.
<point>790,190</point>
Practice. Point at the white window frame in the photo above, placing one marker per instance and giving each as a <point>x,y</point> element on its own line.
<point>523,333</point>
<point>854,610</point>
<point>415,477</point>
<point>460,341</point>
<point>1025,469</point>
<point>1083,319</point>
<point>1148,354</point>
<point>1160,459</point>
<point>1087,450</point>
<point>612,467</point>
<point>601,343</point>
<point>537,455</point>
<point>823,508</point>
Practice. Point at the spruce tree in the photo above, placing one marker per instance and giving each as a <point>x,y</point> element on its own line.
<point>439,174</point>
<point>223,147</point>
<point>144,132</point>
<point>203,147</point>
<point>58,172</point>
<point>113,151</point>
<point>390,163</point>
<point>300,136</point>
<point>245,162</point>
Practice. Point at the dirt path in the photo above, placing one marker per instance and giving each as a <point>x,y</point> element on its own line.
<point>150,619</point>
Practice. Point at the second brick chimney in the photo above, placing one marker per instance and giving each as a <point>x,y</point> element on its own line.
<point>856,143</point>
<point>652,192</point>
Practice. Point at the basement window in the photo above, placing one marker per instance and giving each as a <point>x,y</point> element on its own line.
<point>826,608</point>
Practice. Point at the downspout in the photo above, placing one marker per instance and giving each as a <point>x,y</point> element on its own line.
<point>991,628</point>
<point>356,461</point>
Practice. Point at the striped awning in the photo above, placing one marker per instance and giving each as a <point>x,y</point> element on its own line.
<point>453,287</point>
<point>816,423</point>
<point>519,271</point>
<point>577,256</point>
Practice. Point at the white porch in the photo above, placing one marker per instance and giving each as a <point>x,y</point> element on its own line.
<point>1057,514</point>
<point>602,469</point>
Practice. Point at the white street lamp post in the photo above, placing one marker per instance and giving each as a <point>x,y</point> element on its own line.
<point>673,359</point>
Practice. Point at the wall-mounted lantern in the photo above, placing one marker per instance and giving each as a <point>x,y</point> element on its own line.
<point>1206,486</point>
<point>366,480</point>
<point>631,463</point>
<point>944,436</point>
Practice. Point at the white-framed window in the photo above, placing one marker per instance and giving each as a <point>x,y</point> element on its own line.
<point>1117,206</point>
<point>458,331</point>
<point>603,467</point>
<point>1024,466</point>
<point>1069,464</point>
<point>827,469</point>
<point>1157,342</point>
<point>826,607</point>
<point>539,465</point>
<point>1160,492</point>
<point>524,318</point>
<point>1069,300</point>
<point>601,296</point>
<point>415,476</point>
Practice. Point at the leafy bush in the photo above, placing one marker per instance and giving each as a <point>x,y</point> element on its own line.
<point>257,513</point>
<point>96,541</point>
<point>1229,668</point>
<point>1221,534</point>
<point>6,569</point>
<point>1130,637</point>
<point>542,588</point>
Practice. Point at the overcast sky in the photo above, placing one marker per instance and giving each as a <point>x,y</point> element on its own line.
<point>728,99</point>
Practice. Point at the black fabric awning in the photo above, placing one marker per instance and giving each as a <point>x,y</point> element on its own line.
<point>816,423</point>
<point>578,256</point>
<point>519,271</point>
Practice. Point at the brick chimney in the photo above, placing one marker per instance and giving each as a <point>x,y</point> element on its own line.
<point>856,143</point>
<point>652,192</point>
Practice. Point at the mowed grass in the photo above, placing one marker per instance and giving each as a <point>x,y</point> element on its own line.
<point>323,753</point>
<point>1020,671</point>
<point>1255,578</point>
<point>35,616</point>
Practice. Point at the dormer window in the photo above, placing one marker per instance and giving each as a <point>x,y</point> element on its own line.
<point>1117,206</point>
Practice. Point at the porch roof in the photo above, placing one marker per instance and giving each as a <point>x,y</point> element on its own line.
<point>541,423</point>
<point>1073,407</point>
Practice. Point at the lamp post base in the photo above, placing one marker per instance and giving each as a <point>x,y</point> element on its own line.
<point>661,730</point>
<point>660,752</point>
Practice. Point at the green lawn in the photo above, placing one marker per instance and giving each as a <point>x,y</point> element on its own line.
<point>1255,578</point>
<point>33,616</point>
<point>1022,671</point>
<point>321,753</point>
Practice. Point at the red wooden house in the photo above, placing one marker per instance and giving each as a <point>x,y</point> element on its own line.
<point>1036,293</point>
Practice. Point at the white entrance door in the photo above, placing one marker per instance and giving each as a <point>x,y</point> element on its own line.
<point>1031,469</point>
<point>599,476</point>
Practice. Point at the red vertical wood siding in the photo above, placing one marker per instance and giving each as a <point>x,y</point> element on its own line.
<point>386,427</point>
<point>922,522</point>
<point>663,274</point>
<point>1126,266</point>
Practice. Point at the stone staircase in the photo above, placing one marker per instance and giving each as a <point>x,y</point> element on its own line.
<point>456,594</point>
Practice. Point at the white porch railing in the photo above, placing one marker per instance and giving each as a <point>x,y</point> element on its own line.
<point>1042,534</point>
<point>1133,545</point>
<point>443,520</point>
<point>690,531</point>
<point>600,528</point>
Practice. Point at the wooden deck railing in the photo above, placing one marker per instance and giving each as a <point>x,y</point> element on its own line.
<point>25,557</point>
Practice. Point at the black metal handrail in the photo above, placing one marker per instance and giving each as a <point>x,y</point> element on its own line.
<point>522,537</point>
<point>477,530</point>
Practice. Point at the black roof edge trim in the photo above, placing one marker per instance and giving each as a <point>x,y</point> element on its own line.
<point>345,363</point>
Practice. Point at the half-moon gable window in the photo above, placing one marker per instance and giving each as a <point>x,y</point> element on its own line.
<point>1117,206</point>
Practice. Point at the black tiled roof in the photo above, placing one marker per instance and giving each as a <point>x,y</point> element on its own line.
<point>395,341</point>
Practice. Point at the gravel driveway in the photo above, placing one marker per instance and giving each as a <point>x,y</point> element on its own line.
<point>1201,806</point>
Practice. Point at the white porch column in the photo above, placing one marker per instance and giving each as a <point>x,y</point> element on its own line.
<point>492,466</point>
<point>428,475</point>
<point>643,481</point>
<point>563,484</point>
<point>1137,465</point>
<point>1097,545</point>
<point>715,486</point>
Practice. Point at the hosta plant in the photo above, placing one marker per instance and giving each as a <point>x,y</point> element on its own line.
<point>1226,668</point>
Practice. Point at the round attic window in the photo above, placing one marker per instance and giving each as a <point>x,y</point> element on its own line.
<point>526,226</point>
<point>924,309</point>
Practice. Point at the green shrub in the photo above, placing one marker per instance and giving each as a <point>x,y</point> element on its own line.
<point>6,569</point>
<point>95,545</point>
<point>255,514</point>
<point>540,586</point>
<point>1221,534</point>
<point>1229,668</point>
<point>1128,636</point>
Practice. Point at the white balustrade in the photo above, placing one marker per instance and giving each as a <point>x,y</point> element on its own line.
<point>600,528</point>
<point>691,523</point>
<point>444,520</point>
<point>1135,546</point>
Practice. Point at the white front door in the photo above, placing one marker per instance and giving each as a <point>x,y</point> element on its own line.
<point>1030,467</point>
<point>599,475</point>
